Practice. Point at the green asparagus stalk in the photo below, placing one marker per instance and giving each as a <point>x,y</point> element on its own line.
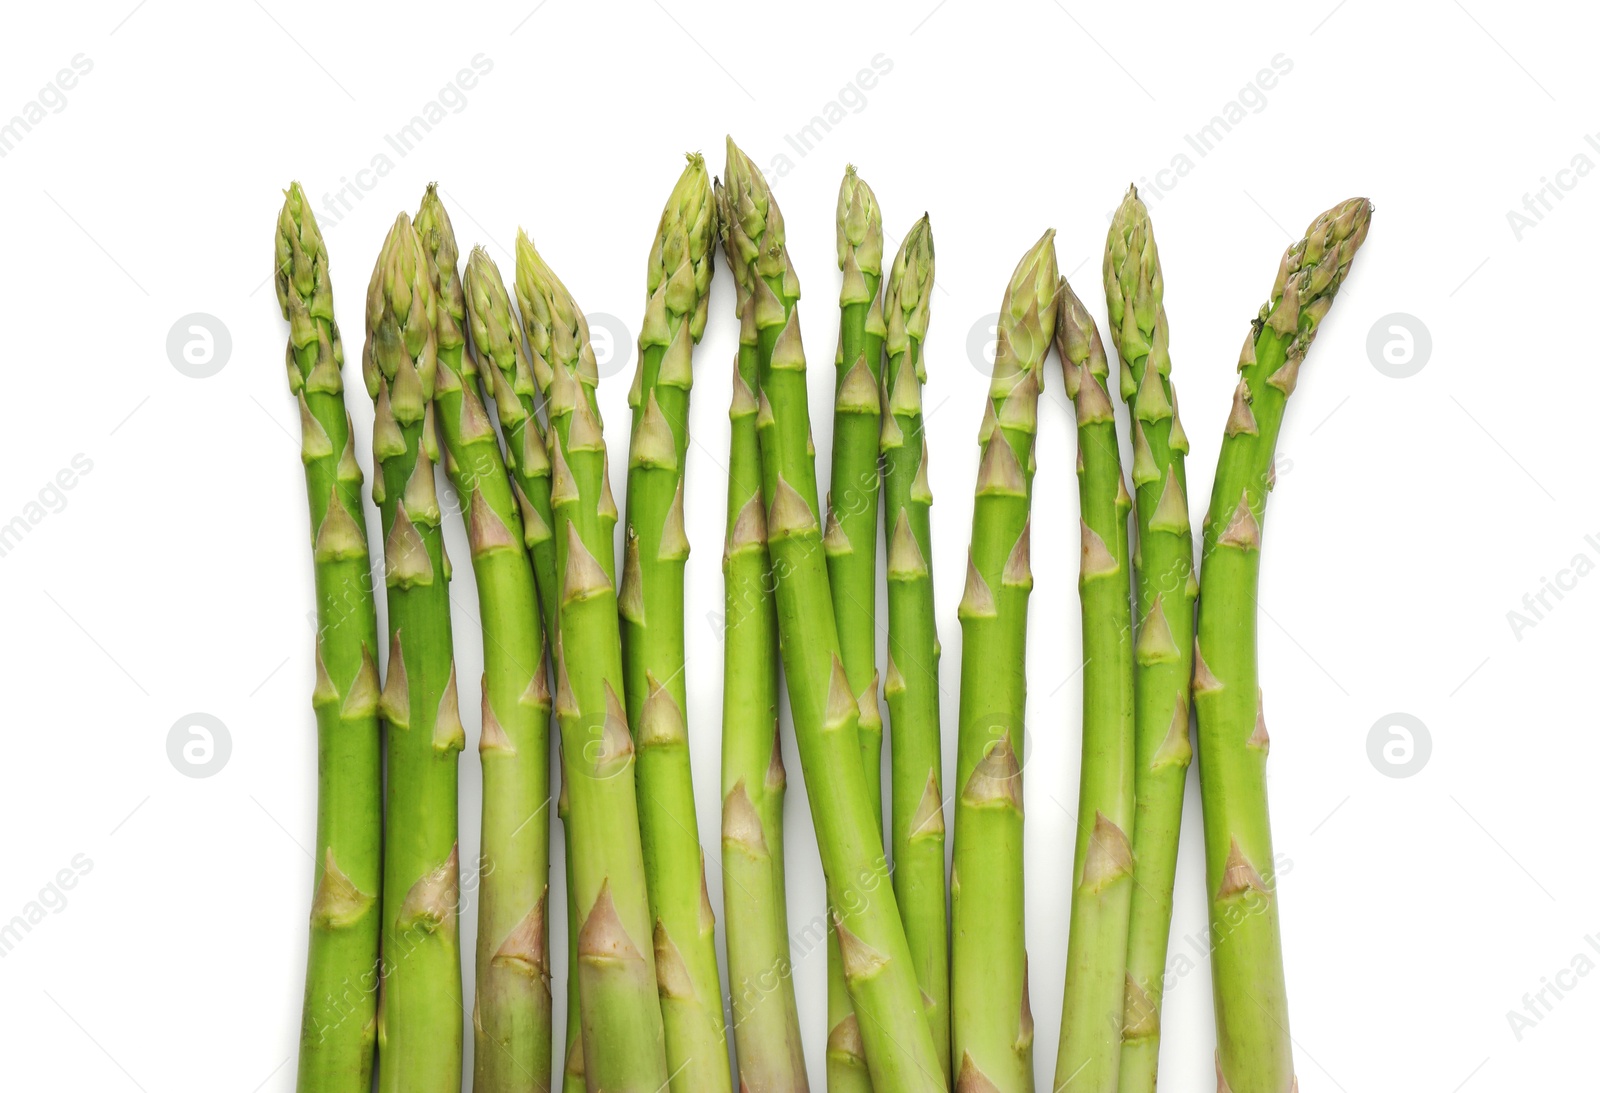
<point>991,1023</point>
<point>875,958</point>
<point>850,540</point>
<point>1165,590</point>
<point>419,1019</point>
<point>511,1008</point>
<point>766,1026</point>
<point>912,683</point>
<point>623,1047</point>
<point>1254,1053</point>
<point>572,1070</point>
<point>337,1023</point>
<point>678,279</point>
<point>1102,871</point>
<point>506,370</point>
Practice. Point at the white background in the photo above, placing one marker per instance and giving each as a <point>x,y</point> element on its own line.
<point>1411,515</point>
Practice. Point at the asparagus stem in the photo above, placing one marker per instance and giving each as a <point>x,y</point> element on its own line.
<point>651,606</point>
<point>512,1006</point>
<point>508,372</point>
<point>991,1023</point>
<point>420,1018</point>
<point>572,1069</point>
<point>1097,940</point>
<point>766,1026</point>
<point>621,1015</point>
<point>851,538</point>
<point>875,958</point>
<point>912,683</point>
<point>1164,643</point>
<point>341,997</point>
<point>1254,1052</point>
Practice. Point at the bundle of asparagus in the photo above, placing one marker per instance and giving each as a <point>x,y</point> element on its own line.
<point>919,999</point>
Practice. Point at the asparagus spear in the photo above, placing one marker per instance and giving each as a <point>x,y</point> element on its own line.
<point>912,684</point>
<point>1164,646</point>
<point>1253,1047</point>
<point>419,1020</point>
<point>991,1024</point>
<point>623,1046</point>
<point>876,960</point>
<point>851,539</point>
<point>336,1031</point>
<point>1102,871</point>
<point>678,279</point>
<point>766,1026</point>
<point>511,1008</point>
<point>505,368</point>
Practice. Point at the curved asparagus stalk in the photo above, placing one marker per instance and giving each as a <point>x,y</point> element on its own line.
<point>1164,644</point>
<point>851,540</point>
<point>623,1046</point>
<point>419,1021</point>
<point>1102,871</point>
<point>511,1017</point>
<point>766,1026</point>
<point>991,1023</point>
<point>651,605</point>
<point>876,960</point>
<point>912,683</point>
<point>341,999</point>
<point>1254,1053</point>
